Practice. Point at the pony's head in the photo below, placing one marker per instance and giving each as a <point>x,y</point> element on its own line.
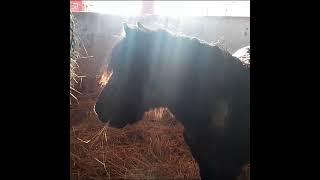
<point>121,100</point>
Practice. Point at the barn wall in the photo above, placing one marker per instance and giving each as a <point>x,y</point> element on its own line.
<point>100,31</point>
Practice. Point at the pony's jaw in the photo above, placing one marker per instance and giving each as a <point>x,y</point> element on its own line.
<point>117,124</point>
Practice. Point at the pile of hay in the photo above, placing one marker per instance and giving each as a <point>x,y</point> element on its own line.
<point>75,55</point>
<point>153,148</point>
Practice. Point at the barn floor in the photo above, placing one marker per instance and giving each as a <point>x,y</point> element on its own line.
<point>152,149</point>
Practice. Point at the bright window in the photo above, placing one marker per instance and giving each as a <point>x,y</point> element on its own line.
<point>172,8</point>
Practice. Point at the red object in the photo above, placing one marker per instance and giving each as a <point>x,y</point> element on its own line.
<point>77,6</point>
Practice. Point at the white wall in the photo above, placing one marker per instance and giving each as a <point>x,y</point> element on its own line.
<point>100,31</point>
<point>235,31</point>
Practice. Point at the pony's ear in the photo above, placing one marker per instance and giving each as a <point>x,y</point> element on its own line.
<point>126,28</point>
<point>141,27</point>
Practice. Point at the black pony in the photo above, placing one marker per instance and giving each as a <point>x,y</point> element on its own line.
<point>206,88</point>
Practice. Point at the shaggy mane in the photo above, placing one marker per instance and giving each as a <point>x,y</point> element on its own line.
<point>188,41</point>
